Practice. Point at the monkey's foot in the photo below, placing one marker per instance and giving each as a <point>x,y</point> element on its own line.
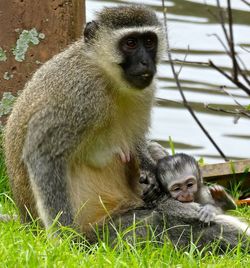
<point>152,189</point>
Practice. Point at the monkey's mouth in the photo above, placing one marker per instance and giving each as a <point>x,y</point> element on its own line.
<point>140,80</point>
<point>185,199</point>
<point>146,75</point>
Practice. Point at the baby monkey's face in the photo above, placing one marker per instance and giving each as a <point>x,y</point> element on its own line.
<point>183,187</point>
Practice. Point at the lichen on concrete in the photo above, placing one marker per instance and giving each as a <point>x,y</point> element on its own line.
<point>6,103</point>
<point>7,76</point>
<point>3,56</point>
<point>26,38</point>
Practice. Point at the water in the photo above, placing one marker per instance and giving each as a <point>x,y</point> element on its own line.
<point>189,27</point>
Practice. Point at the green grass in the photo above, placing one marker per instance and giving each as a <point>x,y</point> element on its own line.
<point>31,246</point>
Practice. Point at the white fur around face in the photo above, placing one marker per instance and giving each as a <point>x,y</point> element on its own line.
<point>108,57</point>
<point>109,50</point>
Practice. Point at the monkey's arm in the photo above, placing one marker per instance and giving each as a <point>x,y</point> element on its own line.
<point>147,172</point>
<point>45,155</point>
<point>215,201</point>
<point>52,135</point>
<point>49,184</point>
<point>208,210</point>
<point>222,198</point>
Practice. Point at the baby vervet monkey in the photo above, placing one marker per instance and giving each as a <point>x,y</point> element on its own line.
<point>180,177</point>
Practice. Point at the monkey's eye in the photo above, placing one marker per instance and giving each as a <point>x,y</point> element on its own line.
<point>131,43</point>
<point>190,184</point>
<point>176,189</point>
<point>149,43</point>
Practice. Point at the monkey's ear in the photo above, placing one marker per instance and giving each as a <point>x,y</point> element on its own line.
<point>90,30</point>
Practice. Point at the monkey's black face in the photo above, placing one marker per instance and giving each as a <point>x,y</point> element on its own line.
<point>139,52</point>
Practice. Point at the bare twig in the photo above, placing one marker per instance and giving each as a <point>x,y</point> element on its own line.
<point>236,67</point>
<point>222,21</point>
<point>185,102</point>
<point>243,64</point>
<point>236,55</point>
<point>231,40</point>
<point>247,3</point>
<point>221,42</point>
<point>211,64</point>
<point>235,112</point>
<point>244,48</point>
<point>168,100</point>
<point>223,88</point>
<point>236,82</point>
<point>184,60</point>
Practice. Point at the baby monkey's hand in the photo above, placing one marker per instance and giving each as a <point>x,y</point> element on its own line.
<point>218,192</point>
<point>207,213</point>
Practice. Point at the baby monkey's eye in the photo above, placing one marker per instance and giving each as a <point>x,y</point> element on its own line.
<point>190,184</point>
<point>176,189</point>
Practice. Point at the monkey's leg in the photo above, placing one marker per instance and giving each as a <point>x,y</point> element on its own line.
<point>98,192</point>
<point>183,226</point>
<point>47,163</point>
<point>177,221</point>
<point>134,224</point>
<point>50,189</point>
<point>22,195</point>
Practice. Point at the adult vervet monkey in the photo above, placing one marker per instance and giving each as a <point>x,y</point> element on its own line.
<point>78,129</point>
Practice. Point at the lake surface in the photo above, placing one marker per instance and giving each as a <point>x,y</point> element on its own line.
<point>189,25</point>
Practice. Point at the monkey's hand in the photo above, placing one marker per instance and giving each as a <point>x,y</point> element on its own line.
<point>218,192</point>
<point>152,189</point>
<point>148,173</point>
<point>124,155</point>
<point>207,213</point>
<point>221,197</point>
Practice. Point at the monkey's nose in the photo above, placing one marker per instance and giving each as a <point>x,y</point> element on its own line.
<point>185,198</point>
<point>144,62</point>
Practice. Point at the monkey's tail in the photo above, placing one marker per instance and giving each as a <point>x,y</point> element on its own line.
<point>234,222</point>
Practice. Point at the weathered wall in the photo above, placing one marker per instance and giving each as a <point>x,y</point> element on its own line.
<point>55,24</point>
